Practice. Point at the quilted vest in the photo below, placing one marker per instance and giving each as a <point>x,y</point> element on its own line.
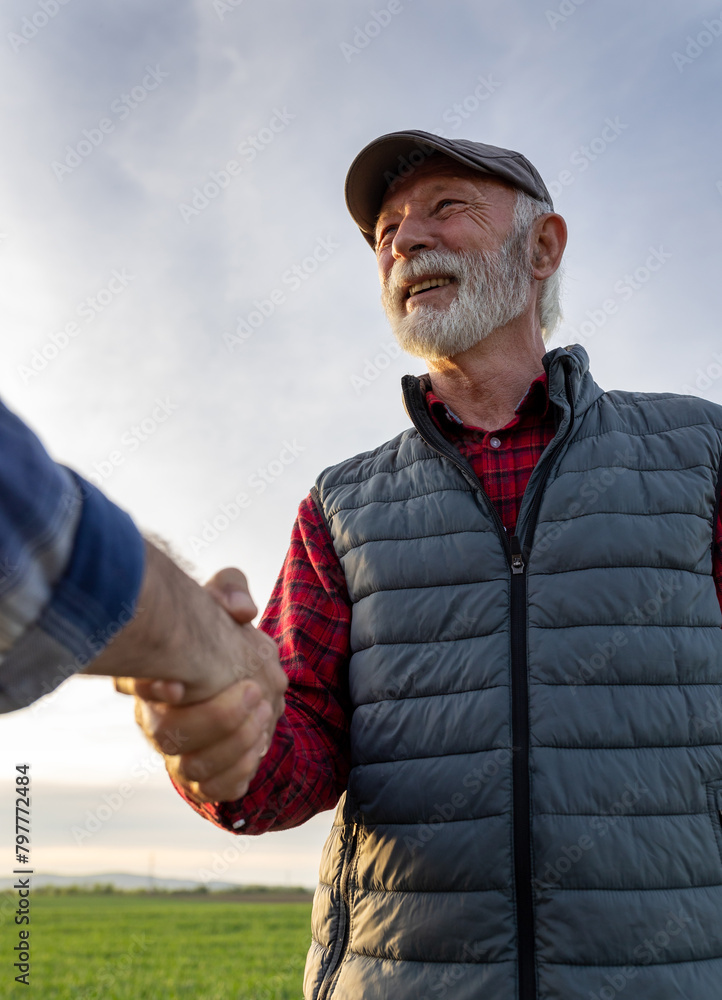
<point>534,809</point>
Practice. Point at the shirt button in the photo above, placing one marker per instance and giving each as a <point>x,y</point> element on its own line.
<point>495,442</point>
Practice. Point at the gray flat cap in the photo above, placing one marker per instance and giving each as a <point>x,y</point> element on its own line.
<point>397,154</point>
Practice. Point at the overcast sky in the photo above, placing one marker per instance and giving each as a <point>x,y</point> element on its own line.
<point>137,267</point>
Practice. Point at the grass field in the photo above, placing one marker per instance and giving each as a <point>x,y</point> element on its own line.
<point>121,946</point>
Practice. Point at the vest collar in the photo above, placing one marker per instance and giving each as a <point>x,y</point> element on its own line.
<point>573,360</point>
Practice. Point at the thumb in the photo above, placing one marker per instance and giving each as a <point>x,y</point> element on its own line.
<point>229,588</point>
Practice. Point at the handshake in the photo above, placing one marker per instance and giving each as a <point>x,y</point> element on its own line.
<point>205,680</point>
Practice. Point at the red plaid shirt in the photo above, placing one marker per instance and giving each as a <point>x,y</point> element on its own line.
<point>309,615</point>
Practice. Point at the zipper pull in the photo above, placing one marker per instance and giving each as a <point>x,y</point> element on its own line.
<point>517,560</point>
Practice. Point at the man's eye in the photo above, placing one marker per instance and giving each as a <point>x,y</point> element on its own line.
<point>389,231</point>
<point>445,201</point>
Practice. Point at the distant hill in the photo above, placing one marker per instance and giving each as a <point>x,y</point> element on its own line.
<point>121,880</point>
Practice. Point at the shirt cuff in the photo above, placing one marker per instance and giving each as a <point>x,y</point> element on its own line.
<point>93,600</point>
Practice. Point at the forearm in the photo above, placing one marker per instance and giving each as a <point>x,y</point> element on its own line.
<point>180,633</point>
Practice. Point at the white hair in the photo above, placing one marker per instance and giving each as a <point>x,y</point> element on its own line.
<point>526,211</point>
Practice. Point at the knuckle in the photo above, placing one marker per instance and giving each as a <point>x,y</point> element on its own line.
<point>195,768</point>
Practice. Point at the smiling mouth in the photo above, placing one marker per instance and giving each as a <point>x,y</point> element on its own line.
<point>428,283</point>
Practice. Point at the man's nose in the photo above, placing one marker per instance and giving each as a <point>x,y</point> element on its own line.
<point>410,237</point>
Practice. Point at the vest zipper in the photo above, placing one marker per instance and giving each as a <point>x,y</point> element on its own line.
<point>521,783</point>
<point>342,938</point>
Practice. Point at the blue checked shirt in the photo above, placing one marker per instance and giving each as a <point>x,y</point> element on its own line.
<point>71,565</point>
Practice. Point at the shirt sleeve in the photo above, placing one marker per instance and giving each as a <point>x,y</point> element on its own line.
<point>307,765</point>
<point>71,567</point>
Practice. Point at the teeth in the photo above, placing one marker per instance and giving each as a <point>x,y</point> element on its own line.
<point>429,283</point>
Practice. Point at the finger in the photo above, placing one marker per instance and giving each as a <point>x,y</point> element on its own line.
<point>189,728</point>
<point>230,588</point>
<point>261,662</point>
<point>207,764</point>
<point>233,783</point>
<point>171,692</point>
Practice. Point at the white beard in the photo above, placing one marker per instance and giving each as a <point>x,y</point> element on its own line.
<point>493,289</point>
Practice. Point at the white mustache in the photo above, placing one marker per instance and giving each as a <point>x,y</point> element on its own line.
<point>441,264</point>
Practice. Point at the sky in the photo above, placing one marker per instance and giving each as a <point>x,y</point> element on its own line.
<point>190,314</point>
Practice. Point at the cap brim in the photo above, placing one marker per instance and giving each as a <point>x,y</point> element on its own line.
<point>378,163</point>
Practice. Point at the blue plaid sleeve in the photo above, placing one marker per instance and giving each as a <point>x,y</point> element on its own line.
<point>71,566</point>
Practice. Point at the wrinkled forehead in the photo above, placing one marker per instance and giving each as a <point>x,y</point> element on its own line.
<point>439,168</point>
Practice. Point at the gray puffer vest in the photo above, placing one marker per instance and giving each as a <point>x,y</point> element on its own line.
<point>534,806</point>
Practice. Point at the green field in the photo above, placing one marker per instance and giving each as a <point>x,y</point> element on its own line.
<point>122,946</point>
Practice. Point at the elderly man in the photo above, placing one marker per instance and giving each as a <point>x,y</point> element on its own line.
<point>502,635</point>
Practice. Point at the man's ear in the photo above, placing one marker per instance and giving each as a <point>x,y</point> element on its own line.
<point>549,244</point>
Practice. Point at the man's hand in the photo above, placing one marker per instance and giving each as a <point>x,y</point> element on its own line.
<point>213,748</point>
<point>230,589</point>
